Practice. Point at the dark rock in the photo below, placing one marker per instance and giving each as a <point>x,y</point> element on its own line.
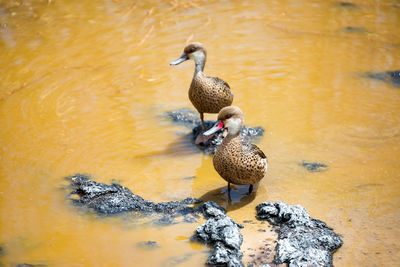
<point>114,198</point>
<point>314,166</point>
<point>391,77</point>
<point>302,240</point>
<point>190,119</point>
<point>223,234</point>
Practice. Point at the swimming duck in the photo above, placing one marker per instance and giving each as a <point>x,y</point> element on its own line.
<point>207,94</point>
<point>236,161</point>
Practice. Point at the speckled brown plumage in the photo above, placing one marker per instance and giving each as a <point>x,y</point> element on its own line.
<point>240,163</point>
<point>236,161</point>
<point>207,94</point>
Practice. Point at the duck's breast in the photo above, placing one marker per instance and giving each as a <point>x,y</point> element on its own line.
<point>240,163</point>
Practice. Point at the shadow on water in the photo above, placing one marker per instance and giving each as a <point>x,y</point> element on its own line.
<point>239,196</point>
<point>182,146</point>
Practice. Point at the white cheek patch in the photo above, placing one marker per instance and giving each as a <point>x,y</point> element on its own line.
<point>233,125</point>
<point>197,55</point>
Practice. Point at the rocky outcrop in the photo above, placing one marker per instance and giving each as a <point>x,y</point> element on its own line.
<point>223,234</point>
<point>302,240</point>
<point>115,198</point>
<point>219,230</point>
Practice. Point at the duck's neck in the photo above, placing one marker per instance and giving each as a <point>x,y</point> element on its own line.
<point>230,138</point>
<point>199,62</point>
<point>234,126</point>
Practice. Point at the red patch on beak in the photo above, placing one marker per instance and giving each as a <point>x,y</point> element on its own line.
<point>219,125</point>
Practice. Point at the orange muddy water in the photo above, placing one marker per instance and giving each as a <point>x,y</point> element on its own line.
<point>84,85</point>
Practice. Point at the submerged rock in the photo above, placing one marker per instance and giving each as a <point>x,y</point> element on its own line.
<point>302,240</point>
<point>115,198</point>
<point>178,260</point>
<point>223,234</point>
<point>314,166</point>
<point>391,77</point>
<point>148,245</point>
<point>30,265</point>
<point>354,29</point>
<point>347,5</point>
<point>191,120</point>
<point>184,116</point>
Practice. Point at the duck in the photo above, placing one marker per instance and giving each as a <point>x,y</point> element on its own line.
<point>236,161</point>
<point>207,94</point>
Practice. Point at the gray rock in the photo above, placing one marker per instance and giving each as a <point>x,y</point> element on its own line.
<point>114,198</point>
<point>191,120</point>
<point>223,234</point>
<point>302,240</point>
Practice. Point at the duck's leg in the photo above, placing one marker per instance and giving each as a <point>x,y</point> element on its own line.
<point>250,189</point>
<point>202,139</point>
<point>202,122</point>
<point>229,190</point>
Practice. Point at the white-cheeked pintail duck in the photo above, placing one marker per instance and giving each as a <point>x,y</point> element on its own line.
<point>207,94</point>
<point>236,161</point>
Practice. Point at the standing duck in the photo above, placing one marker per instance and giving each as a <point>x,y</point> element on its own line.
<point>207,94</point>
<point>236,161</point>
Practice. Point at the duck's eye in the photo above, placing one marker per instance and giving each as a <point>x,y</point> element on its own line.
<point>229,116</point>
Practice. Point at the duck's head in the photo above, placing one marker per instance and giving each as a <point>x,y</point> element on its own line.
<point>195,51</point>
<point>230,118</point>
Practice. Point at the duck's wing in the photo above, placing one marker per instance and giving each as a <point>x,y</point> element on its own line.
<point>219,81</point>
<point>253,149</point>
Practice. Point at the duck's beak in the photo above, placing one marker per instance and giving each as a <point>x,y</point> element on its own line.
<point>184,57</point>
<point>219,125</point>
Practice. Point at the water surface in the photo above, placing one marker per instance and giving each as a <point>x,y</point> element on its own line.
<point>83,84</point>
